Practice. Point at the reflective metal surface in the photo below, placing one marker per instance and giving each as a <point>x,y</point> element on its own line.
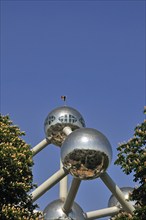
<point>86,153</point>
<point>60,118</point>
<point>40,217</point>
<point>126,192</point>
<point>54,212</point>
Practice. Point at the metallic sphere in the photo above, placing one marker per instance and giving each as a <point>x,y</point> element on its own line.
<point>126,192</point>
<point>86,153</point>
<point>60,118</point>
<point>54,212</point>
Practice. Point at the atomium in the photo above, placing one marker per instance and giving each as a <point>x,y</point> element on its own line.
<point>126,192</point>
<point>54,212</point>
<point>86,153</point>
<point>59,118</point>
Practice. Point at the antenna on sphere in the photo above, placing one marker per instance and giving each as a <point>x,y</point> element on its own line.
<point>64,98</point>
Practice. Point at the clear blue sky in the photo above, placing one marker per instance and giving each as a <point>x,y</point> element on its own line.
<point>91,51</point>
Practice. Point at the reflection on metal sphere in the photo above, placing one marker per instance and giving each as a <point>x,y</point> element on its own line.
<point>40,217</point>
<point>126,192</point>
<point>86,153</point>
<point>54,212</point>
<point>60,118</point>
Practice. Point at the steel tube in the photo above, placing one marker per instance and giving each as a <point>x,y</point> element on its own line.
<point>63,185</point>
<point>102,213</point>
<point>40,146</point>
<point>67,130</point>
<point>116,192</point>
<point>55,178</point>
<point>71,195</point>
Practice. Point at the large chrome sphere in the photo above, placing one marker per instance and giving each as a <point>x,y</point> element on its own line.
<point>126,192</point>
<point>60,118</point>
<point>86,153</point>
<point>54,212</point>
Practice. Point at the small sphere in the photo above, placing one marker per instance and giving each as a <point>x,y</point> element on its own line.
<point>54,211</point>
<point>86,153</point>
<point>126,192</point>
<point>60,118</point>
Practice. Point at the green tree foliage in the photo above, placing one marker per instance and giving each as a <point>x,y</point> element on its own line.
<point>15,174</point>
<point>132,159</point>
